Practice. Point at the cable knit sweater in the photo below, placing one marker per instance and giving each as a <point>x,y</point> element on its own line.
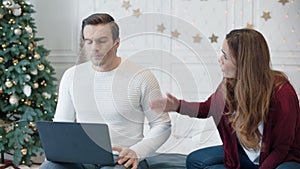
<point>119,98</point>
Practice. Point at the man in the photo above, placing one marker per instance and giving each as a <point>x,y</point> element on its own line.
<point>108,89</point>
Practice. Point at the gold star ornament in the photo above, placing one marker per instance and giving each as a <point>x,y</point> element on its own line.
<point>266,15</point>
<point>175,34</point>
<point>249,26</point>
<point>136,12</point>
<point>197,38</point>
<point>213,38</point>
<point>161,28</point>
<point>126,4</point>
<point>283,2</point>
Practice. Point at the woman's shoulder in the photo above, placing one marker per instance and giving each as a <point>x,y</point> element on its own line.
<point>282,86</point>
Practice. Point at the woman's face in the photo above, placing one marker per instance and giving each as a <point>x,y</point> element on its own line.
<point>227,62</point>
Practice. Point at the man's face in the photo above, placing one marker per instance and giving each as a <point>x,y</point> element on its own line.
<point>99,44</point>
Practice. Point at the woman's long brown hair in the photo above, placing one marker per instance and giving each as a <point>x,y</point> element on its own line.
<point>249,95</point>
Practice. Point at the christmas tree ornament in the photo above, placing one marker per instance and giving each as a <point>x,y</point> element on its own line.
<point>30,47</point>
<point>32,124</point>
<point>17,11</point>
<point>27,78</point>
<point>9,127</point>
<point>15,62</point>
<point>34,72</point>
<point>8,4</point>
<point>1,59</point>
<point>41,67</point>
<point>28,29</point>
<point>43,83</point>
<point>8,84</point>
<point>35,85</point>
<point>22,56</point>
<point>37,56</point>
<point>46,95</point>
<point>24,68</point>
<point>27,90</point>
<point>1,90</point>
<point>18,31</point>
<point>11,21</point>
<point>1,15</point>
<point>27,102</point>
<point>24,151</point>
<point>14,99</point>
<point>3,45</point>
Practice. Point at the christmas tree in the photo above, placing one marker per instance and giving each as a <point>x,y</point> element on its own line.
<point>27,82</point>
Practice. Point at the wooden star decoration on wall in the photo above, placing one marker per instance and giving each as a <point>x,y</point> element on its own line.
<point>213,38</point>
<point>266,15</point>
<point>197,38</point>
<point>136,12</point>
<point>283,2</point>
<point>175,34</point>
<point>126,4</point>
<point>161,28</point>
<point>249,26</point>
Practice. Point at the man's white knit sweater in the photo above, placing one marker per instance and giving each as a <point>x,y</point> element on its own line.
<point>119,98</point>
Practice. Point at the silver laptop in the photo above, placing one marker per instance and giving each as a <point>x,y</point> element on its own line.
<point>86,143</point>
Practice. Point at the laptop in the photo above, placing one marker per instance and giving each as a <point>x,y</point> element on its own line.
<point>86,143</point>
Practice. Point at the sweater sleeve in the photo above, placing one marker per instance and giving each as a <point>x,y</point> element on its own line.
<point>65,109</point>
<point>284,111</point>
<point>160,124</point>
<point>213,106</point>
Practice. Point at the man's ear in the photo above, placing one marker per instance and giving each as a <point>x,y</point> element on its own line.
<point>117,42</point>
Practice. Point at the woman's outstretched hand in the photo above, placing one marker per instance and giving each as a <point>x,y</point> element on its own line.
<point>167,104</point>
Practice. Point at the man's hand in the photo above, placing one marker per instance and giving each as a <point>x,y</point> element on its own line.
<point>127,157</point>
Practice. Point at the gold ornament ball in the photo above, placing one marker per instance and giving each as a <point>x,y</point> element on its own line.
<point>35,85</point>
<point>27,102</point>
<point>22,56</point>
<point>24,151</point>
<point>41,67</point>
<point>1,15</point>
<point>8,84</point>
<point>43,83</point>
<point>37,56</point>
<point>15,62</point>
<point>1,59</point>
<point>3,45</point>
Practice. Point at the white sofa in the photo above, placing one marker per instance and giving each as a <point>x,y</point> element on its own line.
<point>188,134</point>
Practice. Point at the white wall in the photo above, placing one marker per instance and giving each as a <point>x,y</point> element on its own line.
<point>183,67</point>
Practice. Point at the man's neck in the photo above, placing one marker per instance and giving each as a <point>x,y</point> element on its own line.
<point>108,67</point>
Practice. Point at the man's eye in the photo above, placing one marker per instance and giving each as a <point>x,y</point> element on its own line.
<point>102,41</point>
<point>88,41</point>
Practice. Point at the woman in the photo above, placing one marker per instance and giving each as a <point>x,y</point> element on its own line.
<point>255,108</point>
